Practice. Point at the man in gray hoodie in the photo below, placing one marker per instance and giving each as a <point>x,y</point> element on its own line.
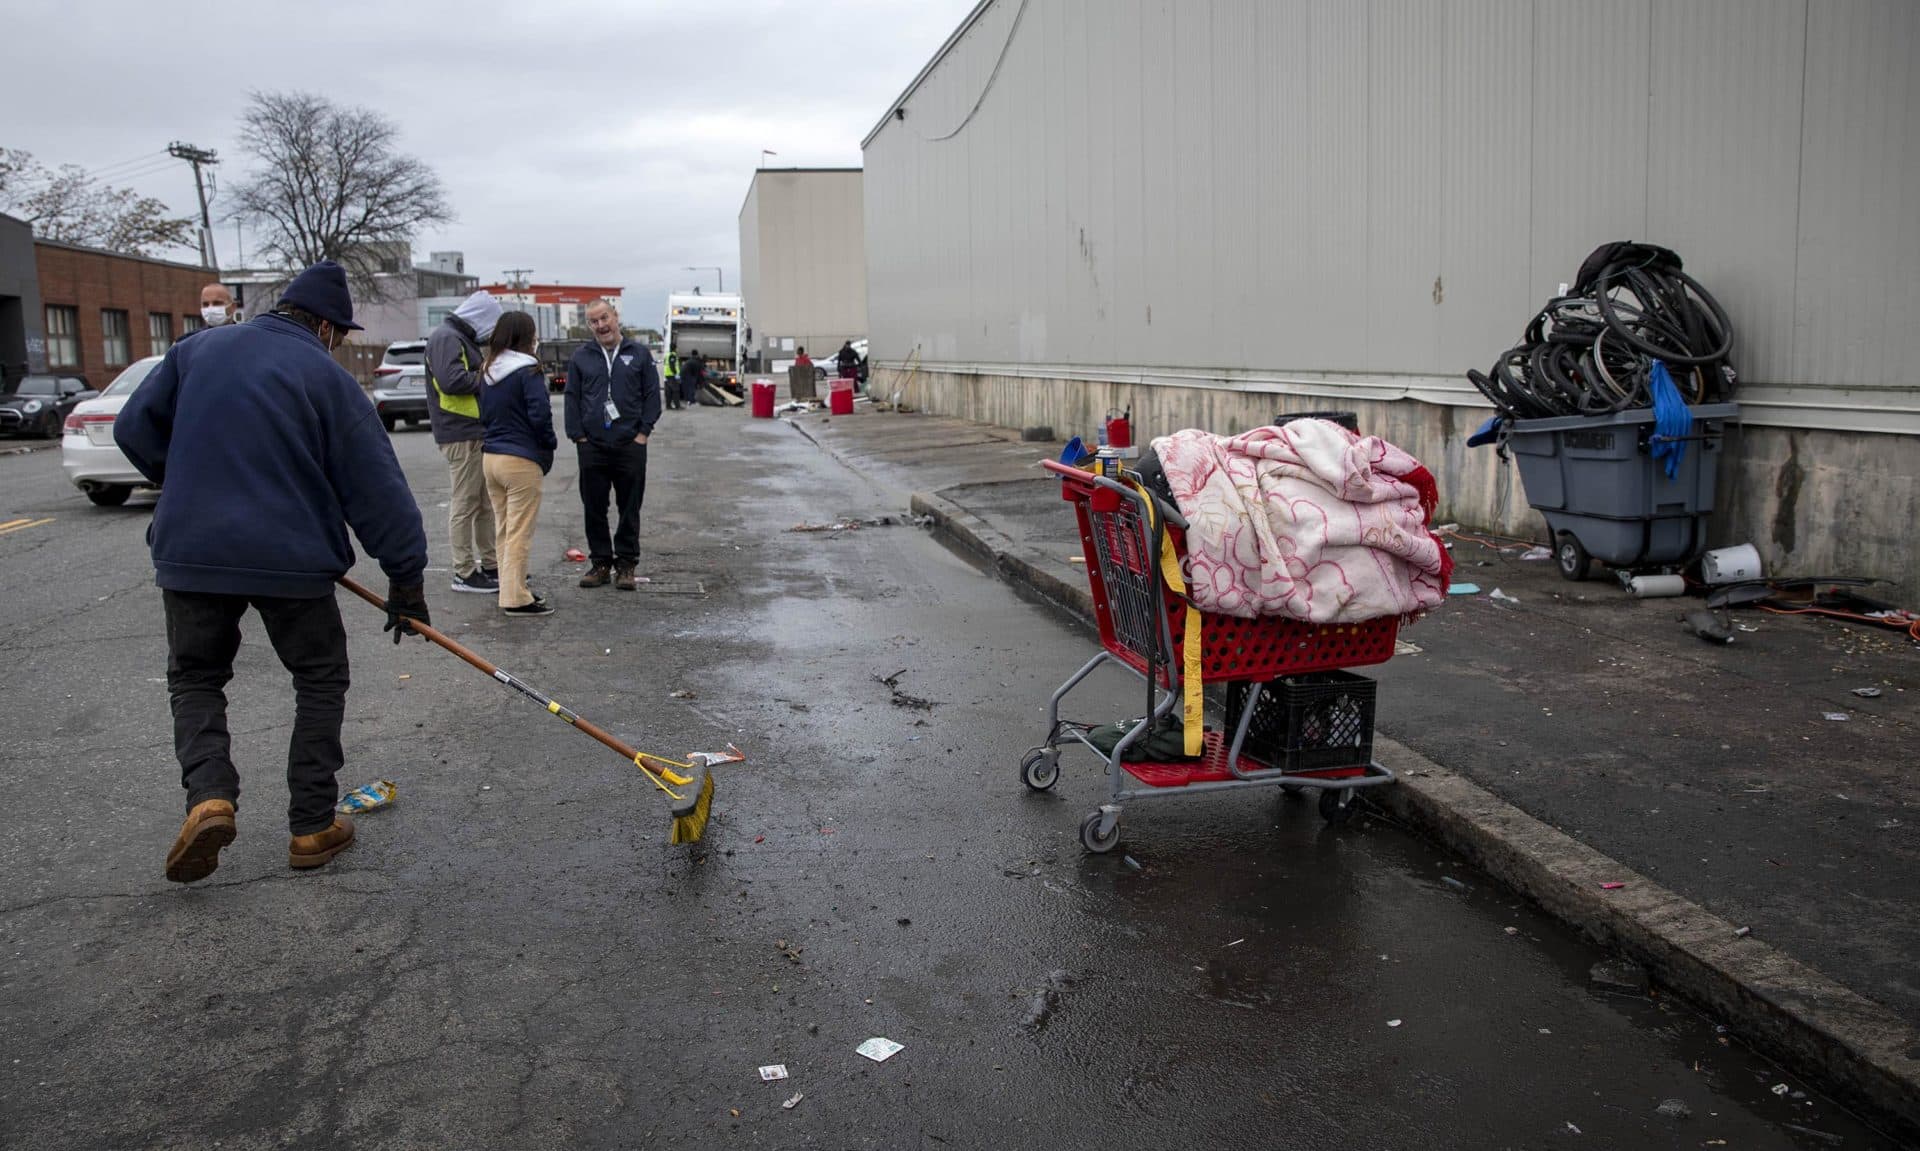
<point>454,361</point>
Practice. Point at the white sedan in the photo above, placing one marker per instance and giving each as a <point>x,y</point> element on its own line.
<point>93,462</point>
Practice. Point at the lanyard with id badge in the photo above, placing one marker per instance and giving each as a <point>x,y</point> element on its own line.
<point>611,409</point>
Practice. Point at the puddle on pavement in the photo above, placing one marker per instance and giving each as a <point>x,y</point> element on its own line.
<point>1312,896</point>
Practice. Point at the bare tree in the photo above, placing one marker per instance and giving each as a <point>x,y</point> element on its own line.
<point>330,185</point>
<point>67,205</point>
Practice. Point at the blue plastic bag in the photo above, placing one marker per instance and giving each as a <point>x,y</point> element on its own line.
<point>1672,421</point>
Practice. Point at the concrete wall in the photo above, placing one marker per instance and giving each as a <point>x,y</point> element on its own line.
<point>1385,190</point>
<point>1781,489</point>
<point>1220,208</point>
<point>803,261</point>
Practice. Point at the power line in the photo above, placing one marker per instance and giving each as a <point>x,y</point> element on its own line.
<point>516,277</point>
<point>166,165</point>
<point>139,161</point>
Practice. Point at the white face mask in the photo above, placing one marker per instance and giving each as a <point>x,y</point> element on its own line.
<point>214,315</point>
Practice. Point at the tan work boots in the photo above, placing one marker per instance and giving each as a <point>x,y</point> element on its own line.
<point>210,827</point>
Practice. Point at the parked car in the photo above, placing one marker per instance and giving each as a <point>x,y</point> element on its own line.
<point>37,405</point>
<point>92,461</point>
<point>400,384</point>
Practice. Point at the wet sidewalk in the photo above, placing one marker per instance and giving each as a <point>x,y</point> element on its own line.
<point>1737,786</point>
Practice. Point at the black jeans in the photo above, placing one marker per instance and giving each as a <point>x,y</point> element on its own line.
<point>203,635</point>
<point>621,472</point>
<point>689,390</point>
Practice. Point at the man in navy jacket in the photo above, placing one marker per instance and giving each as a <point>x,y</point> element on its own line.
<point>266,452</point>
<point>612,404</point>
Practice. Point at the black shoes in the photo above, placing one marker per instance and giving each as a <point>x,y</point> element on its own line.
<point>479,580</point>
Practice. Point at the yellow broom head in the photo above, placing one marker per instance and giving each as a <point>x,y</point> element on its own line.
<point>690,814</point>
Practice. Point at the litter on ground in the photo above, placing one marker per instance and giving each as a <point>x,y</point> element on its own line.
<point>879,1049</point>
<point>377,794</point>
<point>773,1071</point>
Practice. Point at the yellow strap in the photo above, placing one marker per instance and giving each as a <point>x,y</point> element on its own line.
<point>1193,703</point>
<point>468,406</point>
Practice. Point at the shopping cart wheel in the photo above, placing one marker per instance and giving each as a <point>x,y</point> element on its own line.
<point>1337,805</point>
<point>1040,770</point>
<point>1090,837</point>
<point>1572,558</point>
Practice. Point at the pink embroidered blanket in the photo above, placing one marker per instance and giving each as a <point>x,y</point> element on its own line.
<point>1305,520</point>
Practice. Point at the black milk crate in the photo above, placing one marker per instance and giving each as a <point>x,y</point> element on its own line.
<point>1311,722</point>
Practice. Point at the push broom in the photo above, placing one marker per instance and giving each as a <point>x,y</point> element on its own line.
<point>690,795</point>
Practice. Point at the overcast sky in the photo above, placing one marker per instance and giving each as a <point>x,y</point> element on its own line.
<point>606,142</point>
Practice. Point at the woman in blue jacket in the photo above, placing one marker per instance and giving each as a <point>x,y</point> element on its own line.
<point>517,453</point>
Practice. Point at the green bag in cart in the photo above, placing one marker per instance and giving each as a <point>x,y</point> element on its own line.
<point>1164,742</point>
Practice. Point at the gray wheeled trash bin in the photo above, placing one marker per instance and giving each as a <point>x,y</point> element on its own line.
<point>802,382</point>
<point>1604,496</point>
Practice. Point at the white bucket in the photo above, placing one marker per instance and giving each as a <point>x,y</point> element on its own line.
<point>1731,565</point>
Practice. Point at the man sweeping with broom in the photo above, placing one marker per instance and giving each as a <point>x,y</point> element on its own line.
<point>266,452</point>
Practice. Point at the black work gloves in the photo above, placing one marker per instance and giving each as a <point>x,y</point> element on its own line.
<point>404,603</point>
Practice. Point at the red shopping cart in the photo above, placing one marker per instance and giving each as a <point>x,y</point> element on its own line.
<point>1294,717</point>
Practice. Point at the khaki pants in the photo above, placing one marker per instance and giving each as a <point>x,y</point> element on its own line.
<point>470,519</point>
<point>514,486</point>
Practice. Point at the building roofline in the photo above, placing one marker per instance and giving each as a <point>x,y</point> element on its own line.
<point>973,18</point>
<point>554,287</point>
<point>857,168</point>
<point>123,255</point>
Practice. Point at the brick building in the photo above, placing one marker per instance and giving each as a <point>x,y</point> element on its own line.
<point>100,311</point>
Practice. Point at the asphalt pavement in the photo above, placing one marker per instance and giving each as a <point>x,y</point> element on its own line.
<point>513,956</point>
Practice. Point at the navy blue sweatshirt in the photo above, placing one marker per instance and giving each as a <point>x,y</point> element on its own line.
<point>517,410</point>
<point>266,451</point>
<point>635,385</point>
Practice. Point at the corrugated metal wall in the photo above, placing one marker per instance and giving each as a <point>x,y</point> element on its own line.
<point>1384,190</point>
<point>803,260</point>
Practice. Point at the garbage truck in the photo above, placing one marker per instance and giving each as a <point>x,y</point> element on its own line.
<point>710,325</point>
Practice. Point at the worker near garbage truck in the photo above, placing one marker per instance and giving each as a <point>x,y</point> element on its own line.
<point>453,412</point>
<point>266,452</point>
<point>692,376</point>
<point>672,384</point>
<point>612,405</point>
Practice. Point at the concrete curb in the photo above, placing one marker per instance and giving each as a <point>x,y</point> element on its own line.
<point>21,449</point>
<point>1861,1051</point>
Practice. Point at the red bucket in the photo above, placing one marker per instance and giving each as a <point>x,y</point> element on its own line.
<point>839,399</point>
<point>763,399</point>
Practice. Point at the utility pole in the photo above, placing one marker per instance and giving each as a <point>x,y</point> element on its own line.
<point>197,157</point>
<point>517,277</point>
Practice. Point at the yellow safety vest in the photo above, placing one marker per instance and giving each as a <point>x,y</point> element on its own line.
<point>468,406</point>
